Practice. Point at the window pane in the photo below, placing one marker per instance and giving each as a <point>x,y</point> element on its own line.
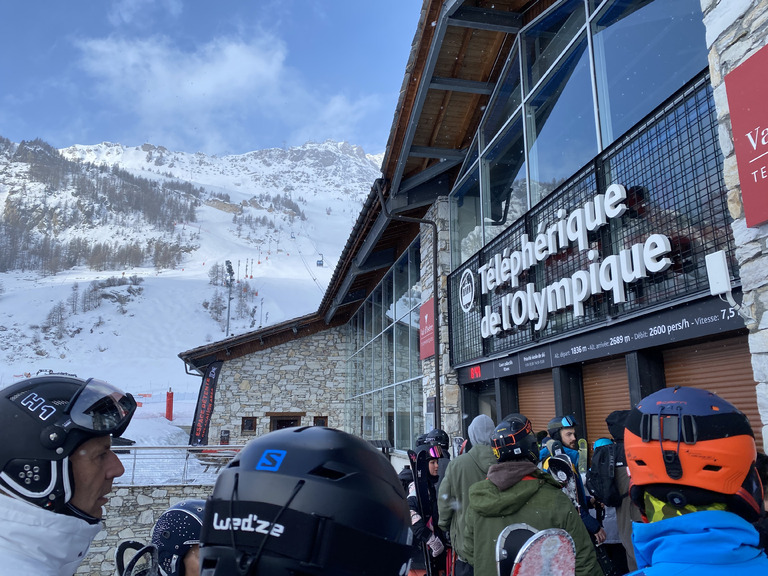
<point>402,287</point>
<point>403,416</point>
<point>505,100</point>
<point>644,51</point>
<point>387,302</point>
<point>388,356</point>
<point>561,126</point>
<point>508,195</point>
<point>402,351</point>
<point>377,428</point>
<point>367,327</point>
<point>417,409</point>
<point>376,363</point>
<point>547,39</point>
<point>389,414</point>
<point>414,273</point>
<point>376,312</point>
<point>414,347</point>
<point>466,238</point>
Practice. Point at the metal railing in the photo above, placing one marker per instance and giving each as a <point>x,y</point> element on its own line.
<point>157,465</point>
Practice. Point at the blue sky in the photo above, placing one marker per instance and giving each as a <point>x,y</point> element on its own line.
<point>223,77</point>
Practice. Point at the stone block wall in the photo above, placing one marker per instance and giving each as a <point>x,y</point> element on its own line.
<point>449,388</point>
<point>736,29</point>
<point>306,376</point>
<point>130,515</point>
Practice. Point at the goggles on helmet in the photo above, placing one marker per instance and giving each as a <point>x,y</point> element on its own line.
<point>101,407</point>
<point>435,451</point>
<point>506,437</point>
<point>568,422</point>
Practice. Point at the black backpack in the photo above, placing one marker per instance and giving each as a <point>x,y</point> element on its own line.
<point>601,481</point>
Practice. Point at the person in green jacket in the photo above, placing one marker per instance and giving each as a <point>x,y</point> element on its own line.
<point>517,491</point>
<point>453,496</point>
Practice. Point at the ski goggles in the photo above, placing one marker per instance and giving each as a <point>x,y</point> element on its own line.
<point>102,408</point>
<point>568,422</point>
<point>435,452</point>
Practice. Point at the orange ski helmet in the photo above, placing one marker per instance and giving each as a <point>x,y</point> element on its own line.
<point>689,446</point>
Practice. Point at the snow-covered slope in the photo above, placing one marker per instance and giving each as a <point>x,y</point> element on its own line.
<point>281,217</point>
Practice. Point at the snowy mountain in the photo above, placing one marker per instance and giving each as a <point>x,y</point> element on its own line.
<point>112,258</point>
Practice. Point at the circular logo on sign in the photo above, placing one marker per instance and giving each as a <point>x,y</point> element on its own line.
<point>467,290</point>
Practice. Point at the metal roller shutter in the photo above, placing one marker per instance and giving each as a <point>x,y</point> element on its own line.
<point>606,388</point>
<point>536,395</point>
<point>723,367</point>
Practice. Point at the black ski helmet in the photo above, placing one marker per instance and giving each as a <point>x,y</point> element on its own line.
<point>307,501</point>
<point>49,417</point>
<point>175,532</point>
<point>513,439</point>
<point>558,423</point>
<point>438,436</point>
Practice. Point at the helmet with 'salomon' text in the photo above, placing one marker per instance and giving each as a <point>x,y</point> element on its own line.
<point>689,446</point>
<point>305,502</point>
<point>42,422</point>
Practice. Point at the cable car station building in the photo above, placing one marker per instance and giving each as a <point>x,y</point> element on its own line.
<point>559,229</point>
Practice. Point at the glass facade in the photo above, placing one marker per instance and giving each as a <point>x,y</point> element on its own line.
<point>384,399</point>
<point>577,79</point>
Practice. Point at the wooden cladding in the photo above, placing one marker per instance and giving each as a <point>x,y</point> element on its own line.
<point>606,388</point>
<point>723,367</point>
<point>536,397</point>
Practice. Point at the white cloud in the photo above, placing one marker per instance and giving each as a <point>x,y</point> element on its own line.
<point>218,96</point>
<point>338,119</point>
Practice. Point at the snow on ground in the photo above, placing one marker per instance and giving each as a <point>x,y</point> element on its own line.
<point>137,348</point>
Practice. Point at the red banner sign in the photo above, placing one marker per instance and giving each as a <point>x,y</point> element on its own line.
<point>747,88</point>
<point>427,329</point>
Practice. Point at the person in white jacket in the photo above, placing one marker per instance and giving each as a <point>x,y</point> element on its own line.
<point>56,469</point>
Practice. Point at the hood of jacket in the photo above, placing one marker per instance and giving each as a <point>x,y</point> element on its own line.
<point>712,537</point>
<point>504,493</point>
<point>480,430</point>
<point>41,542</point>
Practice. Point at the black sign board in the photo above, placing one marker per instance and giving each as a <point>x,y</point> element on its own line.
<point>693,320</point>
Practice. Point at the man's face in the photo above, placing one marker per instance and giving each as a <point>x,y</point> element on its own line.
<point>192,561</point>
<point>568,437</point>
<point>94,466</point>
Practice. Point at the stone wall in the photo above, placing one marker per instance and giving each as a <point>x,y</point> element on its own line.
<point>449,387</point>
<point>306,376</point>
<point>736,29</point>
<point>131,513</point>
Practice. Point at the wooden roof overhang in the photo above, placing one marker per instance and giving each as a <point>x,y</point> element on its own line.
<point>457,57</point>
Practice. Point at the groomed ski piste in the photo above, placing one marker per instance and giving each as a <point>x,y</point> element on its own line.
<point>136,345</point>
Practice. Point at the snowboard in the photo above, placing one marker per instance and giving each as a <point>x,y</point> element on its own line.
<point>135,559</point>
<point>561,469</point>
<point>583,456</point>
<point>521,550</point>
<point>508,544</point>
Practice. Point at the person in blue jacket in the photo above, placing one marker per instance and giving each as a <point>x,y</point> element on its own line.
<point>691,457</point>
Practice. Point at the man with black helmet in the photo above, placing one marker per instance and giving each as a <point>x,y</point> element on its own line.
<point>56,469</point>
<point>691,458</point>
<point>516,491</point>
<point>306,502</point>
